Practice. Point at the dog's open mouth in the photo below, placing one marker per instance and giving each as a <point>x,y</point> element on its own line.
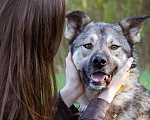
<point>99,80</point>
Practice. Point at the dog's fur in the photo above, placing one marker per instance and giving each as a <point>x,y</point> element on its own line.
<point>99,50</point>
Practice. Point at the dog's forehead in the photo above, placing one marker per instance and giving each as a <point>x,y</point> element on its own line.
<point>104,32</point>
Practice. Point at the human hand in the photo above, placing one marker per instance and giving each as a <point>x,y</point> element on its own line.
<point>117,81</point>
<point>73,88</point>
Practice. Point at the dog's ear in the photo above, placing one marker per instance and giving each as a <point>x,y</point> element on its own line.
<point>132,27</point>
<point>75,23</point>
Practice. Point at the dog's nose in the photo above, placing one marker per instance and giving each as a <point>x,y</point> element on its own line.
<point>99,61</point>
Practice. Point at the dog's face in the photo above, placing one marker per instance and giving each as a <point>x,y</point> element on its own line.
<point>100,49</point>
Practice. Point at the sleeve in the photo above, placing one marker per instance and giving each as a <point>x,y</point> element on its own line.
<point>63,112</point>
<point>99,109</point>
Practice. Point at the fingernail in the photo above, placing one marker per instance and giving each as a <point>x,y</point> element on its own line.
<point>69,53</point>
<point>131,59</point>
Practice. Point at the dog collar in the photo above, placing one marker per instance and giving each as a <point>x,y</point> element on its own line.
<point>121,88</point>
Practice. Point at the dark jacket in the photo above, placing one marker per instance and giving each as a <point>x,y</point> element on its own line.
<point>98,109</point>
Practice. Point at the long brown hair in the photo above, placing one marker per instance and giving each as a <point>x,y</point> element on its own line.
<point>30,34</point>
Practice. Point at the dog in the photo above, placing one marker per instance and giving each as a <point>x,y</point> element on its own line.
<point>99,50</point>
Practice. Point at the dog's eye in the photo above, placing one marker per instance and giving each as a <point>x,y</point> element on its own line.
<point>114,47</point>
<point>88,46</point>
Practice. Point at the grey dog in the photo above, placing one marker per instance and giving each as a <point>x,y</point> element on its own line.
<point>99,50</point>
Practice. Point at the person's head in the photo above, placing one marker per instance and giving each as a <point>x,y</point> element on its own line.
<point>30,35</point>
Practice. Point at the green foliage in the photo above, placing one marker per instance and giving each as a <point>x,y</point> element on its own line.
<point>61,80</point>
<point>145,79</point>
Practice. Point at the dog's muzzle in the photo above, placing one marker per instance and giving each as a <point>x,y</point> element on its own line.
<point>97,77</point>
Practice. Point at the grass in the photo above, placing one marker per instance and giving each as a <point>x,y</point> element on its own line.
<point>61,80</point>
<point>144,80</point>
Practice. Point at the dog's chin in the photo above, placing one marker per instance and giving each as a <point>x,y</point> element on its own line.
<point>97,87</point>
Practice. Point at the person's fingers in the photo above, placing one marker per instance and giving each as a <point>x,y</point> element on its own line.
<point>123,73</point>
<point>68,60</point>
<point>71,70</point>
<point>126,66</point>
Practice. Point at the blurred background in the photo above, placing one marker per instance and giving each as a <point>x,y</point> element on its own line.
<point>112,11</point>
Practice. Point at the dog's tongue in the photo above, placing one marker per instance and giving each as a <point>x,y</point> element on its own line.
<point>99,77</point>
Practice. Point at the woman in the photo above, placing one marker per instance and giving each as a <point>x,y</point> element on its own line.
<point>30,34</point>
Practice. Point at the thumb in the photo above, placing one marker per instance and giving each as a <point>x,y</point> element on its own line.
<point>127,65</point>
<point>69,60</point>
